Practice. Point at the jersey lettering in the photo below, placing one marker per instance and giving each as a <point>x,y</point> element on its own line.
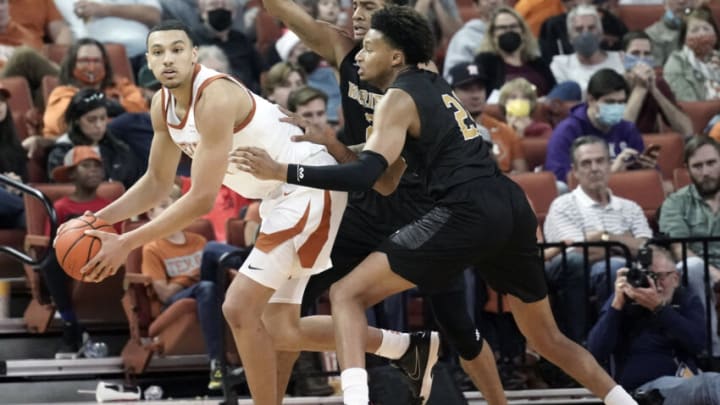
<point>467,125</point>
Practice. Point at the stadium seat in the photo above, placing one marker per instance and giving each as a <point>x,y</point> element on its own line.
<point>535,151</point>
<point>637,17</point>
<point>174,331</point>
<point>85,296</point>
<point>671,154</point>
<point>540,188</point>
<point>700,112</point>
<point>267,31</point>
<point>116,52</point>
<point>681,178</point>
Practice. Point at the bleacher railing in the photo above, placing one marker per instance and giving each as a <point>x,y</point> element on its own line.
<point>47,204</point>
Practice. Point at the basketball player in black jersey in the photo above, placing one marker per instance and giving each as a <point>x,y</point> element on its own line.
<point>478,216</point>
<point>369,218</point>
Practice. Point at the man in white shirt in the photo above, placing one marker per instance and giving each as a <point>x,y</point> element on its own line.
<point>585,32</point>
<point>589,213</point>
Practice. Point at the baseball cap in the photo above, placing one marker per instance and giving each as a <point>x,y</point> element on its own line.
<point>565,91</point>
<point>286,43</point>
<point>73,158</point>
<point>464,73</point>
<point>4,91</point>
<point>146,78</point>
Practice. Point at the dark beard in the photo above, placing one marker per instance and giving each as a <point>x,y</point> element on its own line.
<point>707,189</point>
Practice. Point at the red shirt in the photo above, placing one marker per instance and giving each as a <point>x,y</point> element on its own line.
<point>66,209</point>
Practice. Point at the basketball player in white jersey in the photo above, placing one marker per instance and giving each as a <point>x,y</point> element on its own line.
<point>206,114</point>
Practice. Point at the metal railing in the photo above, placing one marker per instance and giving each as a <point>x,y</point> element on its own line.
<point>47,204</point>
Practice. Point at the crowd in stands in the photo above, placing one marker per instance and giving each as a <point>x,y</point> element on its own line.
<point>571,87</point>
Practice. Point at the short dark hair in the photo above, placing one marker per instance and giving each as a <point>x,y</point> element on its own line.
<point>407,30</point>
<point>303,95</point>
<point>632,36</point>
<point>587,140</point>
<point>606,81</point>
<point>170,25</point>
<point>697,142</point>
<point>70,60</point>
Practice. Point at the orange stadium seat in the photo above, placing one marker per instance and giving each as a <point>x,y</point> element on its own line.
<point>671,154</point>
<point>681,178</point>
<point>540,188</point>
<point>85,296</point>
<point>535,151</point>
<point>700,112</point>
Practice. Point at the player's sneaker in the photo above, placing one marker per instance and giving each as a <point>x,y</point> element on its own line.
<point>418,361</point>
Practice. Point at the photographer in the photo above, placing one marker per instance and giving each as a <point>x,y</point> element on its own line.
<point>654,329</point>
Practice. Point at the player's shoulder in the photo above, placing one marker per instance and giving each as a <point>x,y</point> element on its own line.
<point>221,93</point>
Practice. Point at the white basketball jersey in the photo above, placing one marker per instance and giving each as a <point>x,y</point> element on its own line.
<point>262,128</point>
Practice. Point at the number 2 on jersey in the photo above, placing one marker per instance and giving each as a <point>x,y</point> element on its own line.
<point>467,125</point>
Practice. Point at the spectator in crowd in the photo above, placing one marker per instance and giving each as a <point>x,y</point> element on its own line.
<point>20,50</point>
<point>556,33</point>
<point>469,82</point>
<point>665,33</point>
<point>281,79</point>
<point>586,32</point>
<point>310,104</point>
<point>691,212</point>
<point>443,15</point>
<point>651,104</point>
<point>464,44</point>
<point>213,57</point>
<point>536,12</point>
<point>245,62</point>
<point>86,119</point>
<point>328,11</point>
<point>654,334</point>
<point>173,264</point>
<point>602,115</point>
<point>693,72</point>
<point>42,19</point>
<point>84,168</point>
<point>87,66</point>
<point>511,51</point>
<point>187,12</point>
<point>518,100</point>
<point>13,164</point>
<point>120,21</point>
<point>590,213</point>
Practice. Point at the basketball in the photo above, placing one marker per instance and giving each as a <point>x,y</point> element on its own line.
<point>74,249</point>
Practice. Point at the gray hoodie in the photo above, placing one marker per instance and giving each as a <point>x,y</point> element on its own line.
<point>464,44</point>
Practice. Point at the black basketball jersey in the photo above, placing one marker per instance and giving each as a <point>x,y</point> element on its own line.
<point>451,149</point>
<point>359,99</point>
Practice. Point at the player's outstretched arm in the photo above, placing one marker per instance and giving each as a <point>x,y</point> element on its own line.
<point>395,116</point>
<point>157,181</point>
<point>325,39</point>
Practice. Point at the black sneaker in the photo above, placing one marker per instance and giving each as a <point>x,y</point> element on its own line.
<point>73,341</point>
<point>418,361</point>
<point>216,376</point>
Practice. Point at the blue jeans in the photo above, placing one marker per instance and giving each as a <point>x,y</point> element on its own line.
<point>571,304</point>
<point>702,389</point>
<point>208,311</point>
<point>12,210</point>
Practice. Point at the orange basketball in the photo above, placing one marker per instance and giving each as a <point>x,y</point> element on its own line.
<point>74,249</point>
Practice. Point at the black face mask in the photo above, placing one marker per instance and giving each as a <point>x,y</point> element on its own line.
<point>220,19</point>
<point>509,41</point>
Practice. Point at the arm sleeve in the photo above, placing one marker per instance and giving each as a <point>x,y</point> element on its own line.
<point>359,175</point>
<point>557,159</point>
<point>685,325</point>
<point>672,221</point>
<point>603,337</point>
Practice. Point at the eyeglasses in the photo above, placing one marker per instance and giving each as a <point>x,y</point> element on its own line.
<point>508,27</point>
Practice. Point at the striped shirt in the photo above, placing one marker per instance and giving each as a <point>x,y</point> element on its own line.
<point>572,216</point>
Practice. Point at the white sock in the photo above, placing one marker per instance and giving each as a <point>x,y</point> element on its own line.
<point>393,345</point>
<point>618,396</point>
<point>355,387</point>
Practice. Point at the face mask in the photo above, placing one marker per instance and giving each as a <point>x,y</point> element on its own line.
<point>610,114</point>
<point>671,20</point>
<point>586,44</point>
<point>90,75</point>
<point>631,60</point>
<point>701,45</point>
<point>518,107</point>
<point>220,19</point>
<point>509,41</point>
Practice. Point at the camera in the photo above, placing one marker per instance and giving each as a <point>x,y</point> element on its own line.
<point>638,275</point>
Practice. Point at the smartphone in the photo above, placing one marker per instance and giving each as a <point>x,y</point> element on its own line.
<point>652,150</point>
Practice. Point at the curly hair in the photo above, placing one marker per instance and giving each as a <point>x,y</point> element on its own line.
<point>407,30</point>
